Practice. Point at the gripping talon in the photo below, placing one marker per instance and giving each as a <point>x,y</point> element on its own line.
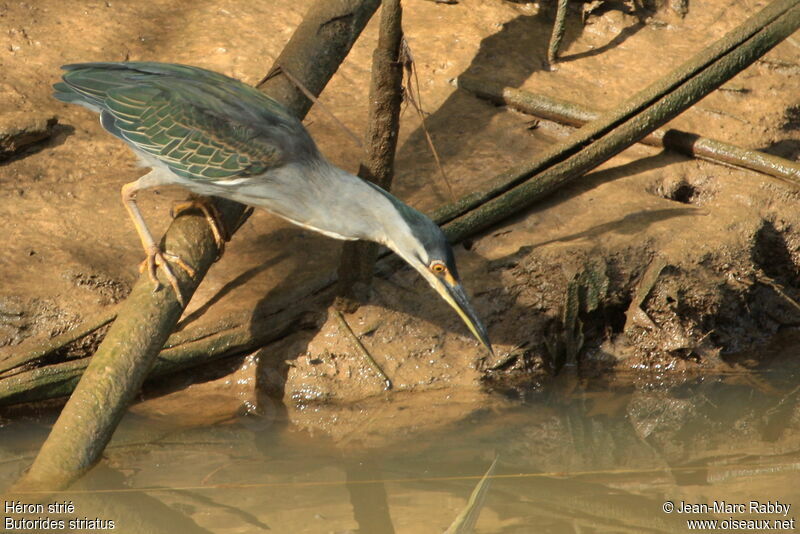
<point>212,215</point>
<point>177,260</point>
<point>155,259</point>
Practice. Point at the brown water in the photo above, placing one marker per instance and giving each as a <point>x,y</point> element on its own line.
<point>574,456</point>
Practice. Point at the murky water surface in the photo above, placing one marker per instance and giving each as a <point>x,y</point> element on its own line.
<point>576,456</point>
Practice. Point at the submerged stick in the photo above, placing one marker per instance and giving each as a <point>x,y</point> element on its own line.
<point>385,97</point>
<point>146,319</point>
<point>465,522</point>
<point>687,143</point>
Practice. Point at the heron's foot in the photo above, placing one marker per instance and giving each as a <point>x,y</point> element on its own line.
<point>213,216</point>
<point>157,258</point>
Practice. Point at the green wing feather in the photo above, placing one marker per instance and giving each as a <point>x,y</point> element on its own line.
<point>202,125</point>
<point>195,143</point>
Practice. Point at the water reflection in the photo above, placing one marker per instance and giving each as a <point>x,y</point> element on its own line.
<point>576,456</point>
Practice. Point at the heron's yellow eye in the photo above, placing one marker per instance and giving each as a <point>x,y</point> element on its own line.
<point>438,267</point>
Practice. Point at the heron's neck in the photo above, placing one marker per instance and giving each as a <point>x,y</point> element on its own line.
<point>374,214</point>
<point>368,212</point>
<point>324,198</point>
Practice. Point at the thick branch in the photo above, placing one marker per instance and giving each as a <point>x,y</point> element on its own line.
<point>358,257</point>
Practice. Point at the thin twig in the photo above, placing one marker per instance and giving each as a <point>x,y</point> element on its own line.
<point>322,106</point>
<point>764,279</point>
<point>411,73</point>
<point>362,349</point>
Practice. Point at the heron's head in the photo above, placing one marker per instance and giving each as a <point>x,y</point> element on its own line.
<point>420,242</point>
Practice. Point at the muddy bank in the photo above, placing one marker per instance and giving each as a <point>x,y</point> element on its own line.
<point>686,262</point>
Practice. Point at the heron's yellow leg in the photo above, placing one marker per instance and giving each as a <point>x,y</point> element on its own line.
<point>155,256</point>
<point>212,215</point>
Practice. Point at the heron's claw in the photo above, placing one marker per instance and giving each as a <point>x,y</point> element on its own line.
<point>157,258</point>
<point>177,260</point>
<point>213,216</point>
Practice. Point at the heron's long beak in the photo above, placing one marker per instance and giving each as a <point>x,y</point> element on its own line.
<point>455,296</point>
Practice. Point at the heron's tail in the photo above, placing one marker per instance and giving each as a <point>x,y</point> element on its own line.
<point>87,84</point>
<point>65,93</point>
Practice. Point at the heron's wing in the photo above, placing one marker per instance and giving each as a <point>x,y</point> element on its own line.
<point>202,125</point>
<point>91,81</point>
<point>192,140</point>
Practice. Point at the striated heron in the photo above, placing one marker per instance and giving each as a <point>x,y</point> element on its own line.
<point>216,136</point>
